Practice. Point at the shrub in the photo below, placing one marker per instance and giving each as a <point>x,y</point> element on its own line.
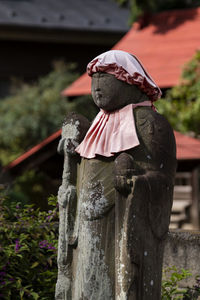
<point>37,110</point>
<point>32,187</point>
<point>181,105</point>
<point>171,289</point>
<point>28,249</point>
<point>140,7</point>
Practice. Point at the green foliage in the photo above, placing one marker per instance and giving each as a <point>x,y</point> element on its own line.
<point>32,188</point>
<point>28,243</point>
<point>171,290</point>
<point>171,280</point>
<point>181,105</point>
<point>139,7</point>
<point>36,111</point>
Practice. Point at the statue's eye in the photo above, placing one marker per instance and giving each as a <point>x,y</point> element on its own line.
<point>104,74</point>
<point>100,74</point>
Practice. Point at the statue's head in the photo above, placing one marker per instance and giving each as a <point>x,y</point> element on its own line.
<point>118,79</point>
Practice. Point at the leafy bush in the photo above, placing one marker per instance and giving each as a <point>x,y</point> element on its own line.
<point>32,187</point>
<point>139,7</point>
<point>28,243</point>
<point>172,278</point>
<point>36,111</point>
<point>181,105</point>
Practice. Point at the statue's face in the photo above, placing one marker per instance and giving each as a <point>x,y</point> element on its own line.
<point>108,91</point>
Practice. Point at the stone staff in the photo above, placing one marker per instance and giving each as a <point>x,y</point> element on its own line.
<point>73,130</point>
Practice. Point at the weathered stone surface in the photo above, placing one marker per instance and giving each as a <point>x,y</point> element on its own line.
<point>182,249</point>
<point>120,214</point>
<point>143,215</point>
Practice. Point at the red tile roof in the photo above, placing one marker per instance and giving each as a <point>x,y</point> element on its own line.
<point>188,148</point>
<point>168,41</point>
<point>81,86</point>
<point>33,150</point>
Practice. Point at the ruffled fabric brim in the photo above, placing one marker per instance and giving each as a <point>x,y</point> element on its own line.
<point>144,83</point>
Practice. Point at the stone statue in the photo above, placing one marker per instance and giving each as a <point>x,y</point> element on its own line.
<point>116,195</point>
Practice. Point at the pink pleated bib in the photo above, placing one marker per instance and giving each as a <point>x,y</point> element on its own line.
<point>111,132</point>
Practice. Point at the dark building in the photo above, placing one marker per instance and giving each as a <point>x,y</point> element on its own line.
<point>35,33</point>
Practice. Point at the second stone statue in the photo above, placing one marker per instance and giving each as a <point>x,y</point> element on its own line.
<point>117,188</point>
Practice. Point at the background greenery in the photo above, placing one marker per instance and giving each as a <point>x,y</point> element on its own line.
<point>181,105</point>
<point>32,113</point>
<point>35,111</point>
<point>142,7</point>
<point>28,250</point>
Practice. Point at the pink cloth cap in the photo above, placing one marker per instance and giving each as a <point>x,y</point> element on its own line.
<point>125,67</point>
